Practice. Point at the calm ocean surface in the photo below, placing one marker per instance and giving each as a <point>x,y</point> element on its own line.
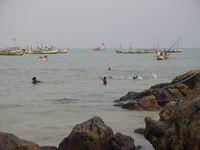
<point>39,112</point>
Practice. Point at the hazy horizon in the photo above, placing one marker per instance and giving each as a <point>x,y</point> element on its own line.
<point>89,23</point>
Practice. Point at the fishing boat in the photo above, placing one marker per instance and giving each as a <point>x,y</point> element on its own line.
<point>162,57</point>
<point>63,50</point>
<point>143,51</point>
<point>99,48</point>
<point>49,51</point>
<point>45,57</point>
<point>166,56</point>
<point>11,52</point>
<point>174,51</point>
<point>42,50</point>
<point>29,51</point>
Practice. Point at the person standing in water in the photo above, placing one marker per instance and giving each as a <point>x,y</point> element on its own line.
<point>104,80</point>
<point>34,80</point>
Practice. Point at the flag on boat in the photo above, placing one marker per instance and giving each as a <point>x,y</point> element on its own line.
<point>102,44</point>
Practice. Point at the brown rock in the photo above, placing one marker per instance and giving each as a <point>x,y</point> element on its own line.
<point>11,142</point>
<point>140,131</point>
<point>184,89</point>
<point>166,114</point>
<point>195,92</point>
<point>145,103</point>
<point>129,95</point>
<point>90,135</point>
<point>187,124</point>
<point>191,82</point>
<point>178,127</point>
<point>123,142</point>
<point>48,148</point>
<point>163,93</point>
<point>95,135</point>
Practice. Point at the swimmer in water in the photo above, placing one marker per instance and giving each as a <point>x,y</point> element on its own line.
<point>137,77</point>
<point>34,80</point>
<point>104,80</point>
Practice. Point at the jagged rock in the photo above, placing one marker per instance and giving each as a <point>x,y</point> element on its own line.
<point>178,127</point>
<point>162,96</point>
<point>195,92</point>
<point>183,88</point>
<point>123,142</point>
<point>191,82</point>
<point>95,134</point>
<point>140,131</point>
<point>187,121</point>
<point>145,103</point>
<point>166,114</point>
<point>48,148</point>
<point>158,86</point>
<point>129,95</point>
<point>11,142</point>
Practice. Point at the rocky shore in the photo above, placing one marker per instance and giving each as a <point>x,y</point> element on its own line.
<point>159,95</point>
<point>177,129</point>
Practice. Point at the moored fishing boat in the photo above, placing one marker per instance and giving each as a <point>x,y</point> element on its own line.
<point>174,51</point>
<point>63,50</point>
<point>49,51</point>
<point>40,51</point>
<point>135,52</point>
<point>99,48</point>
<point>11,52</point>
<point>162,57</point>
<point>45,57</point>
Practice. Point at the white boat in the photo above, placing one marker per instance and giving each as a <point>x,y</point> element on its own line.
<point>99,48</point>
<point>45,57</point>
<point>63,50</point>
<point>162,57</point>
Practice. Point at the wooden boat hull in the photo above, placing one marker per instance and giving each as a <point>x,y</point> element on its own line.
<point>174,51</point>
<point>134,52</point>
<point>62,50</point>
<point>43,58</point>
<point>41,52</point>
<point>98,49</point>
<point>8,52</point>
<point>162,57</point>
<point>49,52</point>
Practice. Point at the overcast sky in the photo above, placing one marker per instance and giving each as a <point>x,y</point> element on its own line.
<point>89,23</point>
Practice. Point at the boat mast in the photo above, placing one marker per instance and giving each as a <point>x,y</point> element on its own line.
<point>175,43</point>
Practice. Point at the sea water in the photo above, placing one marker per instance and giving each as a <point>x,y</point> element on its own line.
<point>71,91</point>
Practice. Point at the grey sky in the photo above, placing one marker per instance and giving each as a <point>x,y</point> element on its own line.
<point>89,23</point>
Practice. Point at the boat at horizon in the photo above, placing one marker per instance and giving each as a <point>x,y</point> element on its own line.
<point>11,51</point>
<point>63,50</point>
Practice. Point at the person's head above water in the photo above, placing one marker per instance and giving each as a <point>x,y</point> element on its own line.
<point>34,80</point>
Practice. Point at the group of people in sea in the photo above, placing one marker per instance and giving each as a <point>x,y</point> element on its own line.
<point>34,80</point>
<point>110,77</point>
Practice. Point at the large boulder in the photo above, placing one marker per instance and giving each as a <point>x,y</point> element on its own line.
<point>145,103</point>
<point>95,134</point>
<point>191,81</point>
<point>187,124</point>
<point>195,92</point>
<point>179,88</point>
<point>11,142</point>
<point>123,142</point>
<point>178,126</point>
